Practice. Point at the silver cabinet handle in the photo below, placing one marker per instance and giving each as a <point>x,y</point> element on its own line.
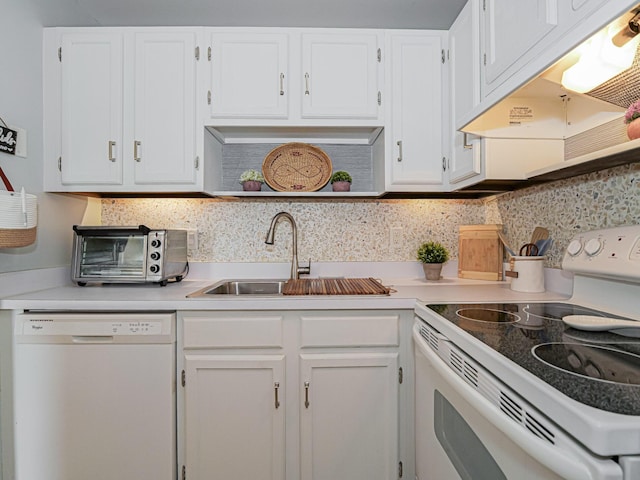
<point>111,145</point>
<point>306,84</point>
<point>399,143</point>
<point>276,386</point>
<point>465,141</point>
<point>282,84</point>
<point>136,154</point>
<point>209,97</point>
<point>306,394</point>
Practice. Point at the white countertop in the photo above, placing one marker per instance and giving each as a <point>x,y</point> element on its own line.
<point>406,291</point>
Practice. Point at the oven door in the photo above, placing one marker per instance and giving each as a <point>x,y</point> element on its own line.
<point>460,434</point>
<point>110,256</point>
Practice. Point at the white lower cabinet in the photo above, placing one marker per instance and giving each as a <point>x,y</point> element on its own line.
<point>349,416</point>
<point>234,417</point>
<point>293,395</point>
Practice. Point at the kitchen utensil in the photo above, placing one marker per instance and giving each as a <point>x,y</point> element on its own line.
<point>593,323</point>
<point>504,242</point>
<point>539,233</point>
<point>543,245</point>
<point>529,250</point>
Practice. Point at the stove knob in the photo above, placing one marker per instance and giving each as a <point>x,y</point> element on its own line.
<point>155,255</point>
<point>156,243</point>
<point>592,370</point>
<point>574,248</point>
<point>574,360</point>
<point>154,268</point>
<point>593,247</point>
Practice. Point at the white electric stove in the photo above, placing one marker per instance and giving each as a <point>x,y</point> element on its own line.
<point>509,390</point>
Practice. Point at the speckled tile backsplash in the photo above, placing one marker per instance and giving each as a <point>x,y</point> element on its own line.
<point>328,231</point>
<point>604,199</point>
<point>359,230</point>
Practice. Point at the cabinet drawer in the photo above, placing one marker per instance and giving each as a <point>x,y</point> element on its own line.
<point>233,331</point>
<point>349,331</point>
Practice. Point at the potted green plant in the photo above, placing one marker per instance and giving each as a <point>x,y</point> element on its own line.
<point>432,255</point>
<point>251,180</point>
<point>341,181</point>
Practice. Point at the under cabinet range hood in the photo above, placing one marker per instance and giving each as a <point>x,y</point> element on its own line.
<point>582,126</point>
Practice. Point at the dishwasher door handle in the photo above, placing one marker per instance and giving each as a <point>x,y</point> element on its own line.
<point>92,338</point>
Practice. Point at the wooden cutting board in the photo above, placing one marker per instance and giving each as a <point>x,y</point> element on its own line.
<point>335,286</point>
<point>480,252</point>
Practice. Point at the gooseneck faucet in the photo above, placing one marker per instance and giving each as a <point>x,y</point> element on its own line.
<point>296,270</point>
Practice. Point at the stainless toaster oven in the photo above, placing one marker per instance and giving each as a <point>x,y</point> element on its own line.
<point>128,255</point>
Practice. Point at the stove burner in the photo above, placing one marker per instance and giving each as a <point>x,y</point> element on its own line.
<point>555,311</point>
<point>487,315</point>
<point>594,362</point>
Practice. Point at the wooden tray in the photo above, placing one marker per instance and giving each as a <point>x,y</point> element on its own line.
<point>335,286</point>
<point>297,167</point>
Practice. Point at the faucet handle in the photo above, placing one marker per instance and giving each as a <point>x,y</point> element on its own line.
<point>305,270</point>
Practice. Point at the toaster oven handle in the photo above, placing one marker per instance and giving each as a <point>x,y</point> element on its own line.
<point>107,231</point>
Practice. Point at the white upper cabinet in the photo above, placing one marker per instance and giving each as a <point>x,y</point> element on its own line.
<point>128,118</point>
<point>340,75</point>
<point>415,121</point>
<point>510,30</point>
<point>249,75</point>
<point>164,117</point>
<point>464,74</point>
<point>91,109</point>
<point>292,77</point>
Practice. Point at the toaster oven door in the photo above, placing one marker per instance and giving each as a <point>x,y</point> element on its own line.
<point>110,257</point>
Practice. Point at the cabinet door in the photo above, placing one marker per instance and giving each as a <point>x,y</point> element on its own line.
<point>249,75</point>
<point>511,29</point>
<point>464,58</point>
<point>349,416</point>
<point>164,114</point>
<point>234,420</point>
<point>415,159</point>
<point>91,108</point>
<point>339,76</point>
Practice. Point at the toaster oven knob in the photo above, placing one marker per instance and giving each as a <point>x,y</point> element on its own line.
<point>156,243</point>
<point>155,255</point>
<point>154,268</point>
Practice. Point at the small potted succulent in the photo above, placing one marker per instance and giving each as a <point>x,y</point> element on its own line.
<point>251,180</point>
<point>432,255</point>
<point>341,181</point>
<point>630,118</point>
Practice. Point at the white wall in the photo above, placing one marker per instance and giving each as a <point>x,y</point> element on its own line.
<point>21,105</point>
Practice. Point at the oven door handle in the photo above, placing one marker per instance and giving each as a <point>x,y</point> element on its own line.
<point>571,465</point>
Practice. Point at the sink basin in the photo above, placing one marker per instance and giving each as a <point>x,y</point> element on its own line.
<point>241,287</point>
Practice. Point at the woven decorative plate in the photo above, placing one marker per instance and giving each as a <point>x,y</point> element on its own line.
<point>297,167</point>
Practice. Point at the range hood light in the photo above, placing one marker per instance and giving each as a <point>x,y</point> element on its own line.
<point>599,61</point>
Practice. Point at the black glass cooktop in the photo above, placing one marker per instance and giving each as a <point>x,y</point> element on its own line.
<point>600,369</point>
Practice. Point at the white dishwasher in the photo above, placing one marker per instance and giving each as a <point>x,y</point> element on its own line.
<point>94,396</point>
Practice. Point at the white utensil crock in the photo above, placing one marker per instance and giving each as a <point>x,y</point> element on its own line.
<point>530,274</point>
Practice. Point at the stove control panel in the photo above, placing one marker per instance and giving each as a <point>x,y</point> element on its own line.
<point>613,252</point>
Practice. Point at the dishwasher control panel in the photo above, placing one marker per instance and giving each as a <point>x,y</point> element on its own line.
<point>83,328</point>
<point>43,326</point>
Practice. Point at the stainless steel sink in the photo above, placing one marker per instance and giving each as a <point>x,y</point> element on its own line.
<point>241,287</point>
